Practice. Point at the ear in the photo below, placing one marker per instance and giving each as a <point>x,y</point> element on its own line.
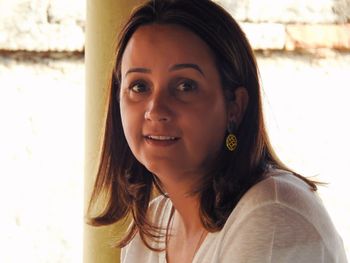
<point>237,107</point>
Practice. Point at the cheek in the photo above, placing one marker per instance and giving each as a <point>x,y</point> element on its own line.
<point>129,123</point>
<point>207,130</point>
<point>212,131</point>
<point>123,116</point>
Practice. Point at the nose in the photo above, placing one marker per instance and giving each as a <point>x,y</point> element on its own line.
<point>158,109</point>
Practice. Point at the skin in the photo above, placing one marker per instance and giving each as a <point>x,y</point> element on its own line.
<point>171,87</point>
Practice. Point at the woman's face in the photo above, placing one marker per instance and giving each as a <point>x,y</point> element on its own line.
<point>172,104</point>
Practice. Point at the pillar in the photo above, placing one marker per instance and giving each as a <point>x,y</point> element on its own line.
<point>103,21</point>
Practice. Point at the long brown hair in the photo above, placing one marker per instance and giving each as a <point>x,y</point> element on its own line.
<point>127,185</point>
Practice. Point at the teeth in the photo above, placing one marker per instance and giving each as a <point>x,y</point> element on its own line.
<point>155,137</point>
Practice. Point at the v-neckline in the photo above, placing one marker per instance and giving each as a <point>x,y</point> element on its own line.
<point>164,220</point>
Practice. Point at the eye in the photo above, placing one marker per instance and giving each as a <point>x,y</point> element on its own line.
<point>187,85</point>
<point>138,87</point>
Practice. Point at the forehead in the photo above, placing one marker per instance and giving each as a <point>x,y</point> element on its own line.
<point>165,44</point>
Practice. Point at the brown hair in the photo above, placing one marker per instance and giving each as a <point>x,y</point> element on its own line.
<point>128,185</point>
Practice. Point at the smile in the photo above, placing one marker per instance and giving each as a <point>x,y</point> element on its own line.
<point>161,140</point>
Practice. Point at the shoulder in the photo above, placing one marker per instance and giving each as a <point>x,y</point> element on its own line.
<point>284,189</point>
<point>281,217</point>
<point>277,197</point>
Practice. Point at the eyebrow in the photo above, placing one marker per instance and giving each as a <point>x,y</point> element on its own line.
<point>187,65</point>
<point>140,70</point>
<point>174,67</point>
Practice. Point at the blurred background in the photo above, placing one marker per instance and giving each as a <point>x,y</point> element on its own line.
<point>303,51</point>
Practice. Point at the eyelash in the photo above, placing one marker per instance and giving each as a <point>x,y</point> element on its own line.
<point>138,83</point>
<point>191,83</point>
<point>182,86</point>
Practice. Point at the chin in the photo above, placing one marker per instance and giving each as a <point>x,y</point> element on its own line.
<point>160,167</point>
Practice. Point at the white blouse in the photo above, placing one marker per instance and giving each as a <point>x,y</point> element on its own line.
<point>278,220</point>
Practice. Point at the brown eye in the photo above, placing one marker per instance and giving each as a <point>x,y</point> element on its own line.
<point>187,86</point>
<point>138,87</point>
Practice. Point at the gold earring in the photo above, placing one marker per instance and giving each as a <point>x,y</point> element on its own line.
<point>231,139</point>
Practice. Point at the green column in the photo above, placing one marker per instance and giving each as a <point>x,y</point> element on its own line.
<point>103,21</point>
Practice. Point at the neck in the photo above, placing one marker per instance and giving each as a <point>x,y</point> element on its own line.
<point>186,205</point>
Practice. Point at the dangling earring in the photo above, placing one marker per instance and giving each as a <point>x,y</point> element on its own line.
<point>231,139</point>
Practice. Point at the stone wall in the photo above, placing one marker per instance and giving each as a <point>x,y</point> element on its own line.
<point>303,50</point>
<point>46,25</point>
<point>42,25</point>
<point>42,130</point>
<point>294,25</point>
<point>290,11</point>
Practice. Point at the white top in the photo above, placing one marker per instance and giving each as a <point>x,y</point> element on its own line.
<point>278,220</point>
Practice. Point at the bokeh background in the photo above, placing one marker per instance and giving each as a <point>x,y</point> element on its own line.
<point>303,51</point>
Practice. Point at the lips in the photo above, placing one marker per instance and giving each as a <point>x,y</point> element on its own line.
<point>161,140</point>
<point>161,137</point>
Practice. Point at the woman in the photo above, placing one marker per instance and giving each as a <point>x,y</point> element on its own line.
<point>185,118</point>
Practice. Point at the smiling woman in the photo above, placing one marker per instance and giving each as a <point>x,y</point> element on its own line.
<point>185,118</point>
<point>171,99</point>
